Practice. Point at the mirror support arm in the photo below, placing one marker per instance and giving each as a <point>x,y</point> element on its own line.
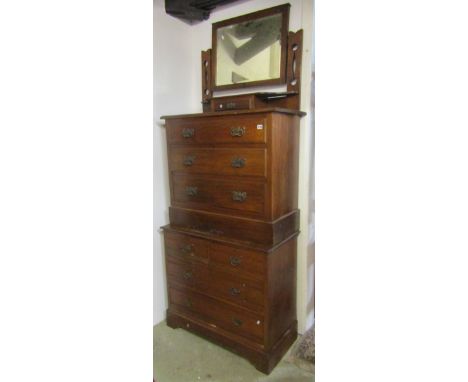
<point>207,75</point>
<point>294,66</point>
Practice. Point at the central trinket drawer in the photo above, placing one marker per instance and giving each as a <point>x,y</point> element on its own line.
<point>231,243</point>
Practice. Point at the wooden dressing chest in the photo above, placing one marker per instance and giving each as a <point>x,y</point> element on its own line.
<point>230,247</point>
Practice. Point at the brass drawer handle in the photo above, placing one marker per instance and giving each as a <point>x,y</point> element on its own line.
<point>188,275</point>
<point>239,196</point>
<point>189,160</point>
<point>191,191</point>
<point>237,131</point>
<point>235,261</point>
<point>238,162</point>
<point>237,322</point>
<point>186,249</point>
<point>188,132</point>
<point>234,292</point>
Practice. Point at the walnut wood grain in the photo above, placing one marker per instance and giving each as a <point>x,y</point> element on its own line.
<point>224,195</point>
<point>237,260</point>
<point>284,164</point>
<point>277,162</point>
<point>262,110</point>
<point>228,317</point>
<point>281,291</point>
<point>228,288</point>
<point>252,101</point>
<point>227,257</point>
<point>208,131</point>
<point>186,247</point>
<point>206,76</point>
<point>232,103</point>
<point>218,161</point>
<point>257,231</point>
<point>294,69</point>
<point>241,243</point>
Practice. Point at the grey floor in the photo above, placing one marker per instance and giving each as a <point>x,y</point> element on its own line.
<point>179,356</point>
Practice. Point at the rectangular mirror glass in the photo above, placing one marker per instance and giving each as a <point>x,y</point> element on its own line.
<point>250,50</point>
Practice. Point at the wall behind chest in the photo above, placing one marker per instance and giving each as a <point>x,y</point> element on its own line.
<point>177,90</point>
<point>172,87</point>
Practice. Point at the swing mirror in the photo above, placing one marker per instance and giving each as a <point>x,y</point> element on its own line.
<point>250,50</point>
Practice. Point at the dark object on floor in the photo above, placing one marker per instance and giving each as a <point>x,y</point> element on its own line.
<point>303,354</point>
<point>306,348</point>
<point>196,10</point>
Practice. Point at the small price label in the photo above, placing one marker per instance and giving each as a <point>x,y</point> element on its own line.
<point>259,127</point>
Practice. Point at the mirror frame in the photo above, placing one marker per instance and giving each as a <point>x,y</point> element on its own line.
<point>281,9</point>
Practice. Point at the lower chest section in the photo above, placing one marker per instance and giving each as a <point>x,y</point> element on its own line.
<point>239,291</point>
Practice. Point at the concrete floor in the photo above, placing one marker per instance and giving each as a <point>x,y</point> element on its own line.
<point>179,356</point>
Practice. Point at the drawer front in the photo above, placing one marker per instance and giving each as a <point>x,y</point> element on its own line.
<point>234,320</point>
<point>190,274</point>
<point>186,247</point>
<point>237,261</point>
<point>240,262</point>
<point>241,291</point>
<point>227,161</point>
<point>224,227</point>
<point>238,196</point>
<point>235,103</point>
<point>223,129</point>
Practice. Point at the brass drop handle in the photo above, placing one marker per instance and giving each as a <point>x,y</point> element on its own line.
<point>191,191</point>
<point>188,132</point>
<point>237,131</point>
<point>187,275</point>
<point>239,196</point>
<point>186,249</point>
<point>235,261</point>
<point>238,162</point>
<point>234,292</point>
<point>237,322</point>
<point>189,160</point>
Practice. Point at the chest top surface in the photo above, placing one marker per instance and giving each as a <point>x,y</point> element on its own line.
<point>237,112</point>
